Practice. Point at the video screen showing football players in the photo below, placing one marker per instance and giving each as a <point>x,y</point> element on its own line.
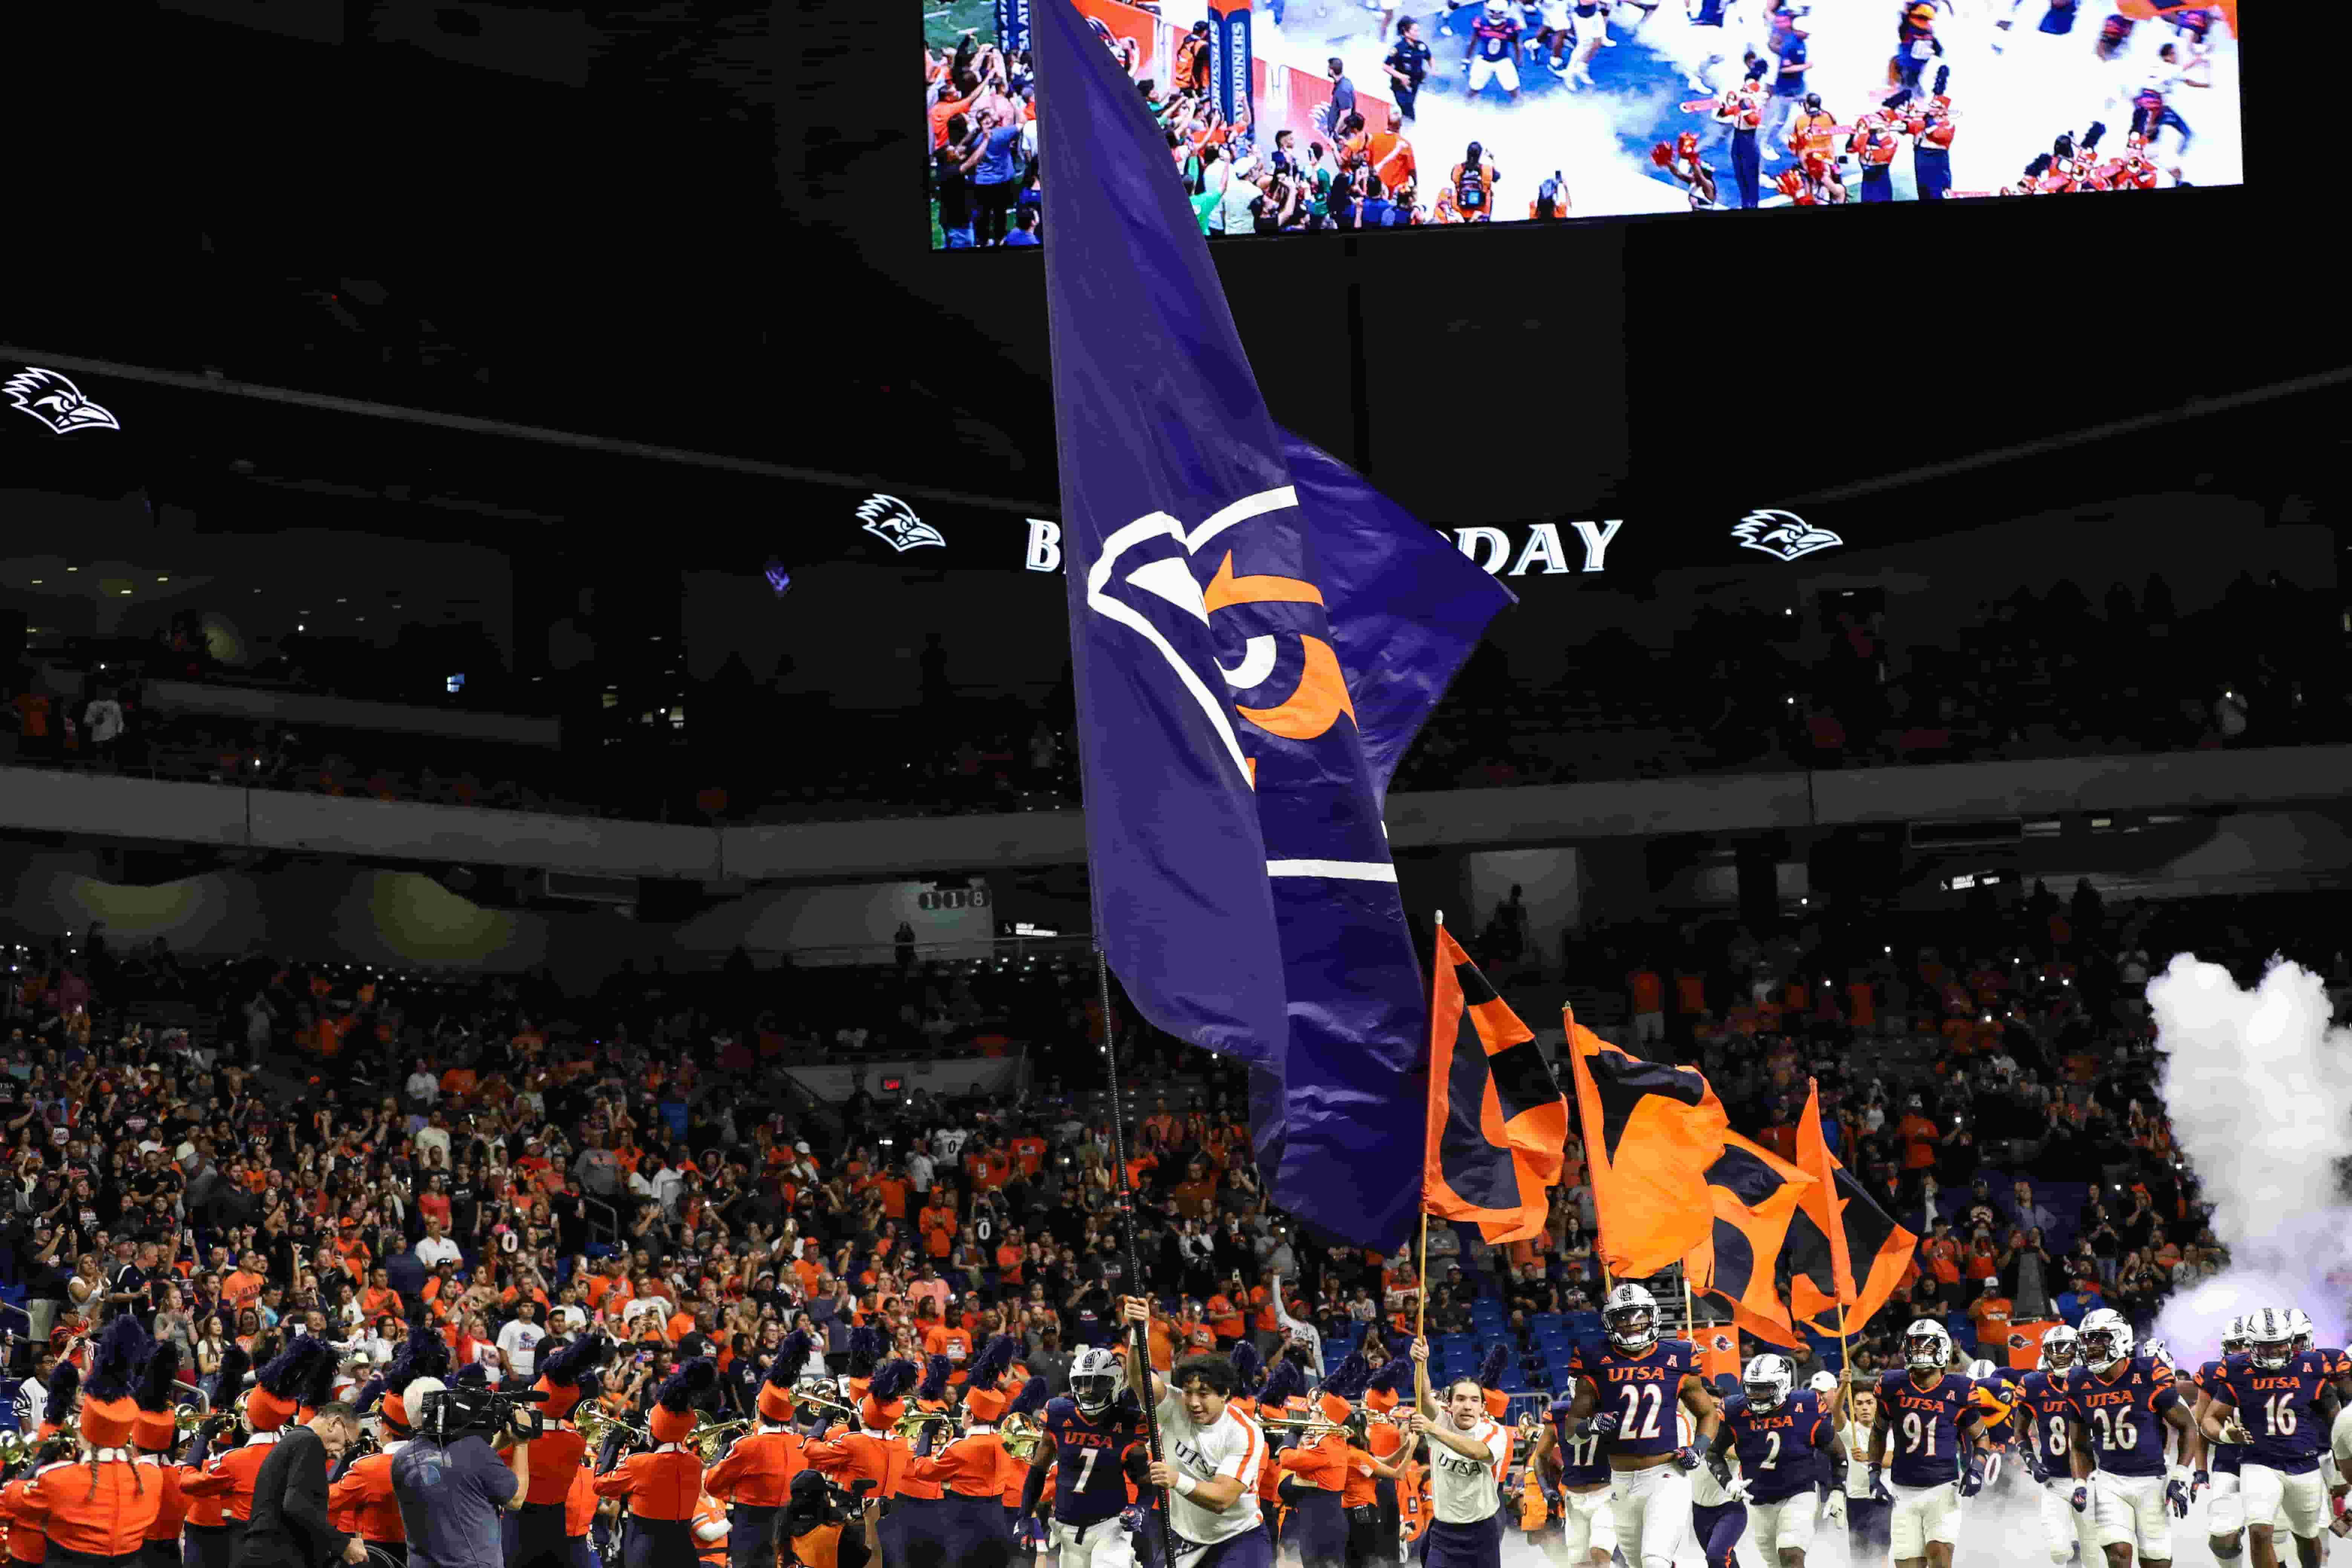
<point>1362,114</point>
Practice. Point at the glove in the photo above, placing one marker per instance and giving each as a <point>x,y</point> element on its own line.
<point>1134,1519</point>
<point>2198,1481</point>
<point>1720,1469</point>
<point>2081,1499</point>
<point>1029,1533</point>
<point>1835,1511</point>
<point>1601,1425</point>
<point>2034,1467</point>
<point>2176,1495</point>
<point>1690,1458</point>
<point>1972,1482</point>
<point>1878,1492</point>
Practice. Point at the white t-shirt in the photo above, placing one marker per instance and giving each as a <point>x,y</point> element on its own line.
<point>1464,1490</point>
<point>518,1343</point>
<point>432,1250</point>
<point>1229,1446</point>
<point>1856,1440</point>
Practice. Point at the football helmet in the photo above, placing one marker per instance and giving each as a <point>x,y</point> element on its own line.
<point>2270,1338</point>
<point>1768,1380</point>
<point>1926,1346</point>
<point>2107,1339</point>
<point>2060,1349</point>
<point>1630,1314</point>
<point>1093,1379</point>
<point>2300,1321</point>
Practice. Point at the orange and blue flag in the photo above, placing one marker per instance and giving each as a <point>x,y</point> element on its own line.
<point>1256,636</point>
<point>1650,1131</point>
<point>1836,1226</point>
<point>1498,1122</point>
<point>1752,1196</point>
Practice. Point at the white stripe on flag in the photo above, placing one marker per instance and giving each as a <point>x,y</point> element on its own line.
<point>1350,870</point>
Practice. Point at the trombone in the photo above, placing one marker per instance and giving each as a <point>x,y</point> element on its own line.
<point>913,1422</point>
<point>712,1441</point>
<point>1308,1427</point>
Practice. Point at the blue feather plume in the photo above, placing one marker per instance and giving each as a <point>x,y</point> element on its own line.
<point>791,1356</point>
<point>935,1371</point>
<point>1033,1397</point>
<point>891,1380</point>
<point>988,1368</point>
<point>1348,1378</point>
<point>1490,1371</point>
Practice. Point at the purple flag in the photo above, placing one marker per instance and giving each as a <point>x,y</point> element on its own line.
<point>1257,635</point>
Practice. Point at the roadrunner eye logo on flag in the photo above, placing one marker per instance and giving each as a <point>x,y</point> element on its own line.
<point>894,522</point>
<point>1783,534</point>
<point>1285,681</point>
<point>56,402</point>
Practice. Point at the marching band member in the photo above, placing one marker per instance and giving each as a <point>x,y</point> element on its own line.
<point>64,1388</point>
<point>967,1466</point>
<point>756,1475</point>
<point>211,1535</point>
<point>873,1459</point>
<point>710,1532</point>
<point>155,1433</point>
<point>580,1518</point>
<point>915,1527</point>
<point>537,1534</point>
<point>285,1386</point>
<point>1388,1445</point>
<point>663,1486</point>
<point>101,1524</point>
<point>1012,1475</point>
<point>362,1495</point>
<point>1284,1386</point>
<point>1319,1469</point>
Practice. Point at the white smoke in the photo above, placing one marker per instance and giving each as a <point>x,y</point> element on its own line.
<point>2256,1086</point>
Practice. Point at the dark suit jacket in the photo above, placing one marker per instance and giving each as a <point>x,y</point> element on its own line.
<point>289,1528</point>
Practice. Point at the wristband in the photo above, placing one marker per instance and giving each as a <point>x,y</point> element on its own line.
<point>1185,1486</point>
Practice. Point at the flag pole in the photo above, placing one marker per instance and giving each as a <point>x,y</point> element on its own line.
<point>1599,1232</point>
<point>1421,1295</point>
<point>1142,1349</point>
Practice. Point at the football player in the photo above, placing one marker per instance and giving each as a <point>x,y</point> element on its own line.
<point>2045,1417</point>
<point>2225,1513</point>
<point>1926,1412</point>
<point>1775,1425</point>
<point>2276,1403</point>
<point>1638,1377</point>
<point>2120,1404</point>
<point>1093,1437</point>
<point>1579,1467</point>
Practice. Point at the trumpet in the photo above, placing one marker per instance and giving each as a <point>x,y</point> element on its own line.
<point>713,1441</point>
<point>819,1401</point>
<point>595,1424</point>
<point>914,1421</point>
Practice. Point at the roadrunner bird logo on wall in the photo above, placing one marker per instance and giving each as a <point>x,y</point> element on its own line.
<point>56,402</point>
<point>894,522</point>
<point>1783,534</point>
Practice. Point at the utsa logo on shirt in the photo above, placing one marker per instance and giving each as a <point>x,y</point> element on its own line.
<point>1924,1426</point>
<point>1089,1458</point>
<point>1582,1463</point>
<point>2124,1413</point>
<point>1776,1447</point>
<point>1639,1389</point>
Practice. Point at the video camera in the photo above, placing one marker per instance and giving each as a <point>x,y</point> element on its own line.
<point>450,1414</point>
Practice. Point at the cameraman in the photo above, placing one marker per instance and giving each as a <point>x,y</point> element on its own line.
<point>451,1482</point>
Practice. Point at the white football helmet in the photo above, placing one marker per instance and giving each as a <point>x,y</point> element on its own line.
<point>2061,1348</point>
<point>2300,1321</point>
<point>2233,1336</point>
<point>1630,1314</point>
<point>1980,1372</point>
<point>1093,1379</point>
<point>2107,1339</point>
<point>1926,1346</point>
<point>2270,1338</point>
<point>1768,1380</point>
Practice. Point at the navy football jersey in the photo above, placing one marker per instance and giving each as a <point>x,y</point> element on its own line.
<point>1582,1462</point>
<point>2221,1459</point>
<point>2042,1413</point>
<point>2124,1413</point>
<point>1924,1427</point>
<point>1090,1457</point>
<point>1776,1449</point>
<point>1495,40</point>
<point>2279,1409</point>
<point>1641,1390</point>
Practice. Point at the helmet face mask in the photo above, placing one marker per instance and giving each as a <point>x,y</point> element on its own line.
<point>2270,1338</point>
<point>2060,1349</point>
<point>1093,1380</point>
<point>2106,1338</point>
<point>1766,1382</point>
<point>1926,1346</point>
<point>2300,1321</point>
<point>1632,1316</point>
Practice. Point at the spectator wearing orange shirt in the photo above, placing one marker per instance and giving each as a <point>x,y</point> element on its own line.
<point>1649,997</point>
<point>1942,1253</point>
<point>1990,1312</point>
<point>989,1168</point>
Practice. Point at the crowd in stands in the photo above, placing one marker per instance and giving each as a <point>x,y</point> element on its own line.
<point>2042,676</point>
<point>344,1148</point>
